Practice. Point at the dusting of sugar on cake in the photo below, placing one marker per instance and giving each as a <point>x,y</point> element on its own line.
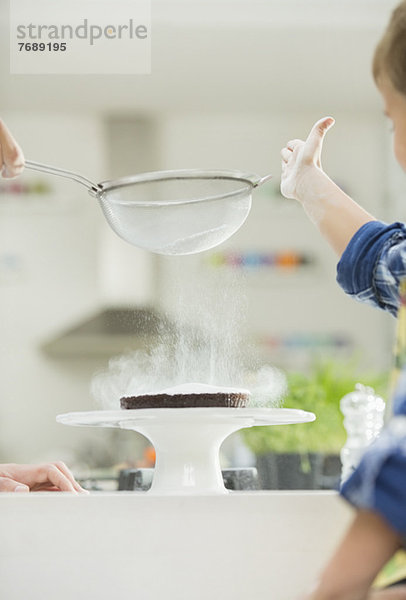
<point>201,388</point>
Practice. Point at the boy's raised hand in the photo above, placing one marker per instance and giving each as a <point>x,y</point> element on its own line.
<point>299,159</point>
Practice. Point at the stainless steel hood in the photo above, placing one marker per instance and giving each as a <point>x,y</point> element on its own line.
<point>110,331</point>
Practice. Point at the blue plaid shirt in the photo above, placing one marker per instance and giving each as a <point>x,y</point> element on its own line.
<point>373,263</point>
<point>370,270</point>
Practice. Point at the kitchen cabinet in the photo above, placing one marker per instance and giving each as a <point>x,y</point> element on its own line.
<point>133,545</point>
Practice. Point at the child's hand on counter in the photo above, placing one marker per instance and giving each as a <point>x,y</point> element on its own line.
<point>11,155</point>
<point>301,162</point>
<point>42,477</point>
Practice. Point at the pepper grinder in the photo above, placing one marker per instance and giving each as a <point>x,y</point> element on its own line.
<point>363,414</point>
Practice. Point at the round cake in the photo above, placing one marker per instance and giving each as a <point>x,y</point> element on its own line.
<point>190,395</point>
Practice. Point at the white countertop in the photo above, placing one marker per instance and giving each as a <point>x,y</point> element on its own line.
<point>243,545</point>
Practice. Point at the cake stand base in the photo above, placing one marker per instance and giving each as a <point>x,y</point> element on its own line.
<point>187,440</point>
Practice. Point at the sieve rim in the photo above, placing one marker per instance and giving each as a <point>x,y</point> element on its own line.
<point>104,197</point>
<point>154,176</point>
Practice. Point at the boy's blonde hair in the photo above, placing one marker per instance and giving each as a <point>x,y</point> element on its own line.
<point>390,54</point>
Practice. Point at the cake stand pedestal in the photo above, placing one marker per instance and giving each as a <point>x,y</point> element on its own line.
<point>187,440</point>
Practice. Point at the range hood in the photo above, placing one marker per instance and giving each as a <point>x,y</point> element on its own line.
<point>110,331</point>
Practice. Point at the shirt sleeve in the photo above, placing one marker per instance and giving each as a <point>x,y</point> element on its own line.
<point>373,264</point>
<point>379,481</point>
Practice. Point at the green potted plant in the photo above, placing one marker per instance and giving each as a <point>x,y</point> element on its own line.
<point>306,456</point>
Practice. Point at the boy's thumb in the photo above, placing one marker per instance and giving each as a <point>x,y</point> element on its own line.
<point>315,138</point>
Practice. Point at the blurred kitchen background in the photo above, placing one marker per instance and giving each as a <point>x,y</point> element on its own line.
<point>231,82</point>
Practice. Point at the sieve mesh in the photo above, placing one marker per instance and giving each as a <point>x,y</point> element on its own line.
<point>171,212</point>
<point>179,215</point>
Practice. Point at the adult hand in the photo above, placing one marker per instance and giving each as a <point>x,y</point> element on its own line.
<point>11,155</point>
<point>301,160</point>
<point>54,477</point>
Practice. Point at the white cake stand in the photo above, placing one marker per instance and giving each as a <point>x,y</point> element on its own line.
<point>187,440</point>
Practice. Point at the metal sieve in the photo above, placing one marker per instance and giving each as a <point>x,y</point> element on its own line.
<point>171,212</point>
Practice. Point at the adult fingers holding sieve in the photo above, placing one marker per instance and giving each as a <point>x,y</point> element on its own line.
<point>11,155</point>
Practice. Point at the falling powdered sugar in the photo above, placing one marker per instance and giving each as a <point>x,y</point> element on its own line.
<point>202,345</point>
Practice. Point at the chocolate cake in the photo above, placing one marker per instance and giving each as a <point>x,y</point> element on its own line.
<point>189,396</point>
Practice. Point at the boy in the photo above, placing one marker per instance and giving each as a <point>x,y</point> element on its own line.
<point>371,267</point>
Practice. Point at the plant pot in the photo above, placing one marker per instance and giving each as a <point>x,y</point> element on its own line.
<point>294,471</point>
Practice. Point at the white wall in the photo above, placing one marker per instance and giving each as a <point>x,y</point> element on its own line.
<point>53,242</point>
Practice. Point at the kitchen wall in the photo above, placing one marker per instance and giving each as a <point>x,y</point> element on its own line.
<point>48,279</point>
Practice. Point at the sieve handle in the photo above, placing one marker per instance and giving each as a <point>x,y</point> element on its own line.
<point>261,180</point>
<point>35,166</point>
